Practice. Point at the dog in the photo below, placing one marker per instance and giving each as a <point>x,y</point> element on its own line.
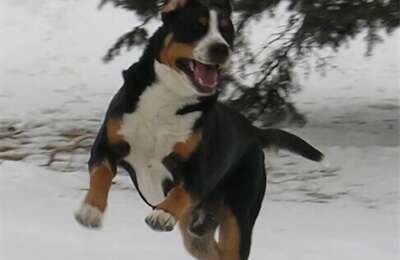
<point>194,160</point>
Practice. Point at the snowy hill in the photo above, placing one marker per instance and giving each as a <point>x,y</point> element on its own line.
<point>54,87</point>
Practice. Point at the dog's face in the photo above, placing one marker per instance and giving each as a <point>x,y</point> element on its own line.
<point>200,41</point>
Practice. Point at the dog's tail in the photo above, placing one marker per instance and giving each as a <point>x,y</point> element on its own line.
<point>279,139</point>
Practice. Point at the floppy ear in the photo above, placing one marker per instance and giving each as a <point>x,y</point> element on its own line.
<point>172,5</point>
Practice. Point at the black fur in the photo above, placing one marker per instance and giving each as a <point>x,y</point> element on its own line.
<point>284,140</point>
<point>184,25</point>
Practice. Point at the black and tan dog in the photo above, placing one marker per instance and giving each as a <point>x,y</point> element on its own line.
<point>193,159</point>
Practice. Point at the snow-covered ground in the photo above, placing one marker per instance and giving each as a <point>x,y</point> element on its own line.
<point>54,87</point>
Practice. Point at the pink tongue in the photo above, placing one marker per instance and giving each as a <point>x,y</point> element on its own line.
<point>206,75</point>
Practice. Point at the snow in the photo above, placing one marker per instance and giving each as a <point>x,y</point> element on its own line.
<point>317,216</point>
<point>54,86</point>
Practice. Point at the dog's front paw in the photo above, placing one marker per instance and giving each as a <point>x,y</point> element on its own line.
<point>89,216</point>
<point>159,220</point>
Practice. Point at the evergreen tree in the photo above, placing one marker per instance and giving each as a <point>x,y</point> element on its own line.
<point>311,25</point>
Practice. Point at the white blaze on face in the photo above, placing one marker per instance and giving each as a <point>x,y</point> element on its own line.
<point>213,36</point>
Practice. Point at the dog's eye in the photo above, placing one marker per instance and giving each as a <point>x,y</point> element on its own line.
<point>203,20</point>
<point>224,23</point>
<point>227,30</point>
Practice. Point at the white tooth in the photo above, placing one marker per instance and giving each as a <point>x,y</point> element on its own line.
<point>191,65</point>
<point>201,82</point>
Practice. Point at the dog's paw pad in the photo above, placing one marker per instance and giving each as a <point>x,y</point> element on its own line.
<point>160,220</point>
<point>89,216</point>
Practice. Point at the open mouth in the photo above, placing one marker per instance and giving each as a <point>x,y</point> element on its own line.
<point>205,77</point>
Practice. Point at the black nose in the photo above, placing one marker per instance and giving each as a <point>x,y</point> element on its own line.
<point>218,52</point>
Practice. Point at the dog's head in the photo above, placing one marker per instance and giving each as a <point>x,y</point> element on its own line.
<point>199,42</point>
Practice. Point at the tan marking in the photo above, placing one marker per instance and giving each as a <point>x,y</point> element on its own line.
<point>229,236</point>
<point>167,40</point>
<point>187,148</point>
<point>204,20</point>
<point>177,202</point>
<point>174,50</point>
<point>100,184</point>
<point>172,5</point>
<point>113,128</point>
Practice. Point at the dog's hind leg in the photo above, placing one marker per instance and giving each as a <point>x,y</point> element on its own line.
<point>229,236</point>
<point>202,248</point>
<point>243,203</point>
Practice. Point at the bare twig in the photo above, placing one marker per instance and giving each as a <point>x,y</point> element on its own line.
<point>12,156</point>
<point>76,144</point>
<point>10,134</point>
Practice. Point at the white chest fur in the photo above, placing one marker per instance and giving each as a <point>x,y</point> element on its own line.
<point>154,128</point>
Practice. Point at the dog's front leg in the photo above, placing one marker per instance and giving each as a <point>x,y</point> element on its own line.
<point>91,212</point>
<point>178,200</point>
<point>169,212</point>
